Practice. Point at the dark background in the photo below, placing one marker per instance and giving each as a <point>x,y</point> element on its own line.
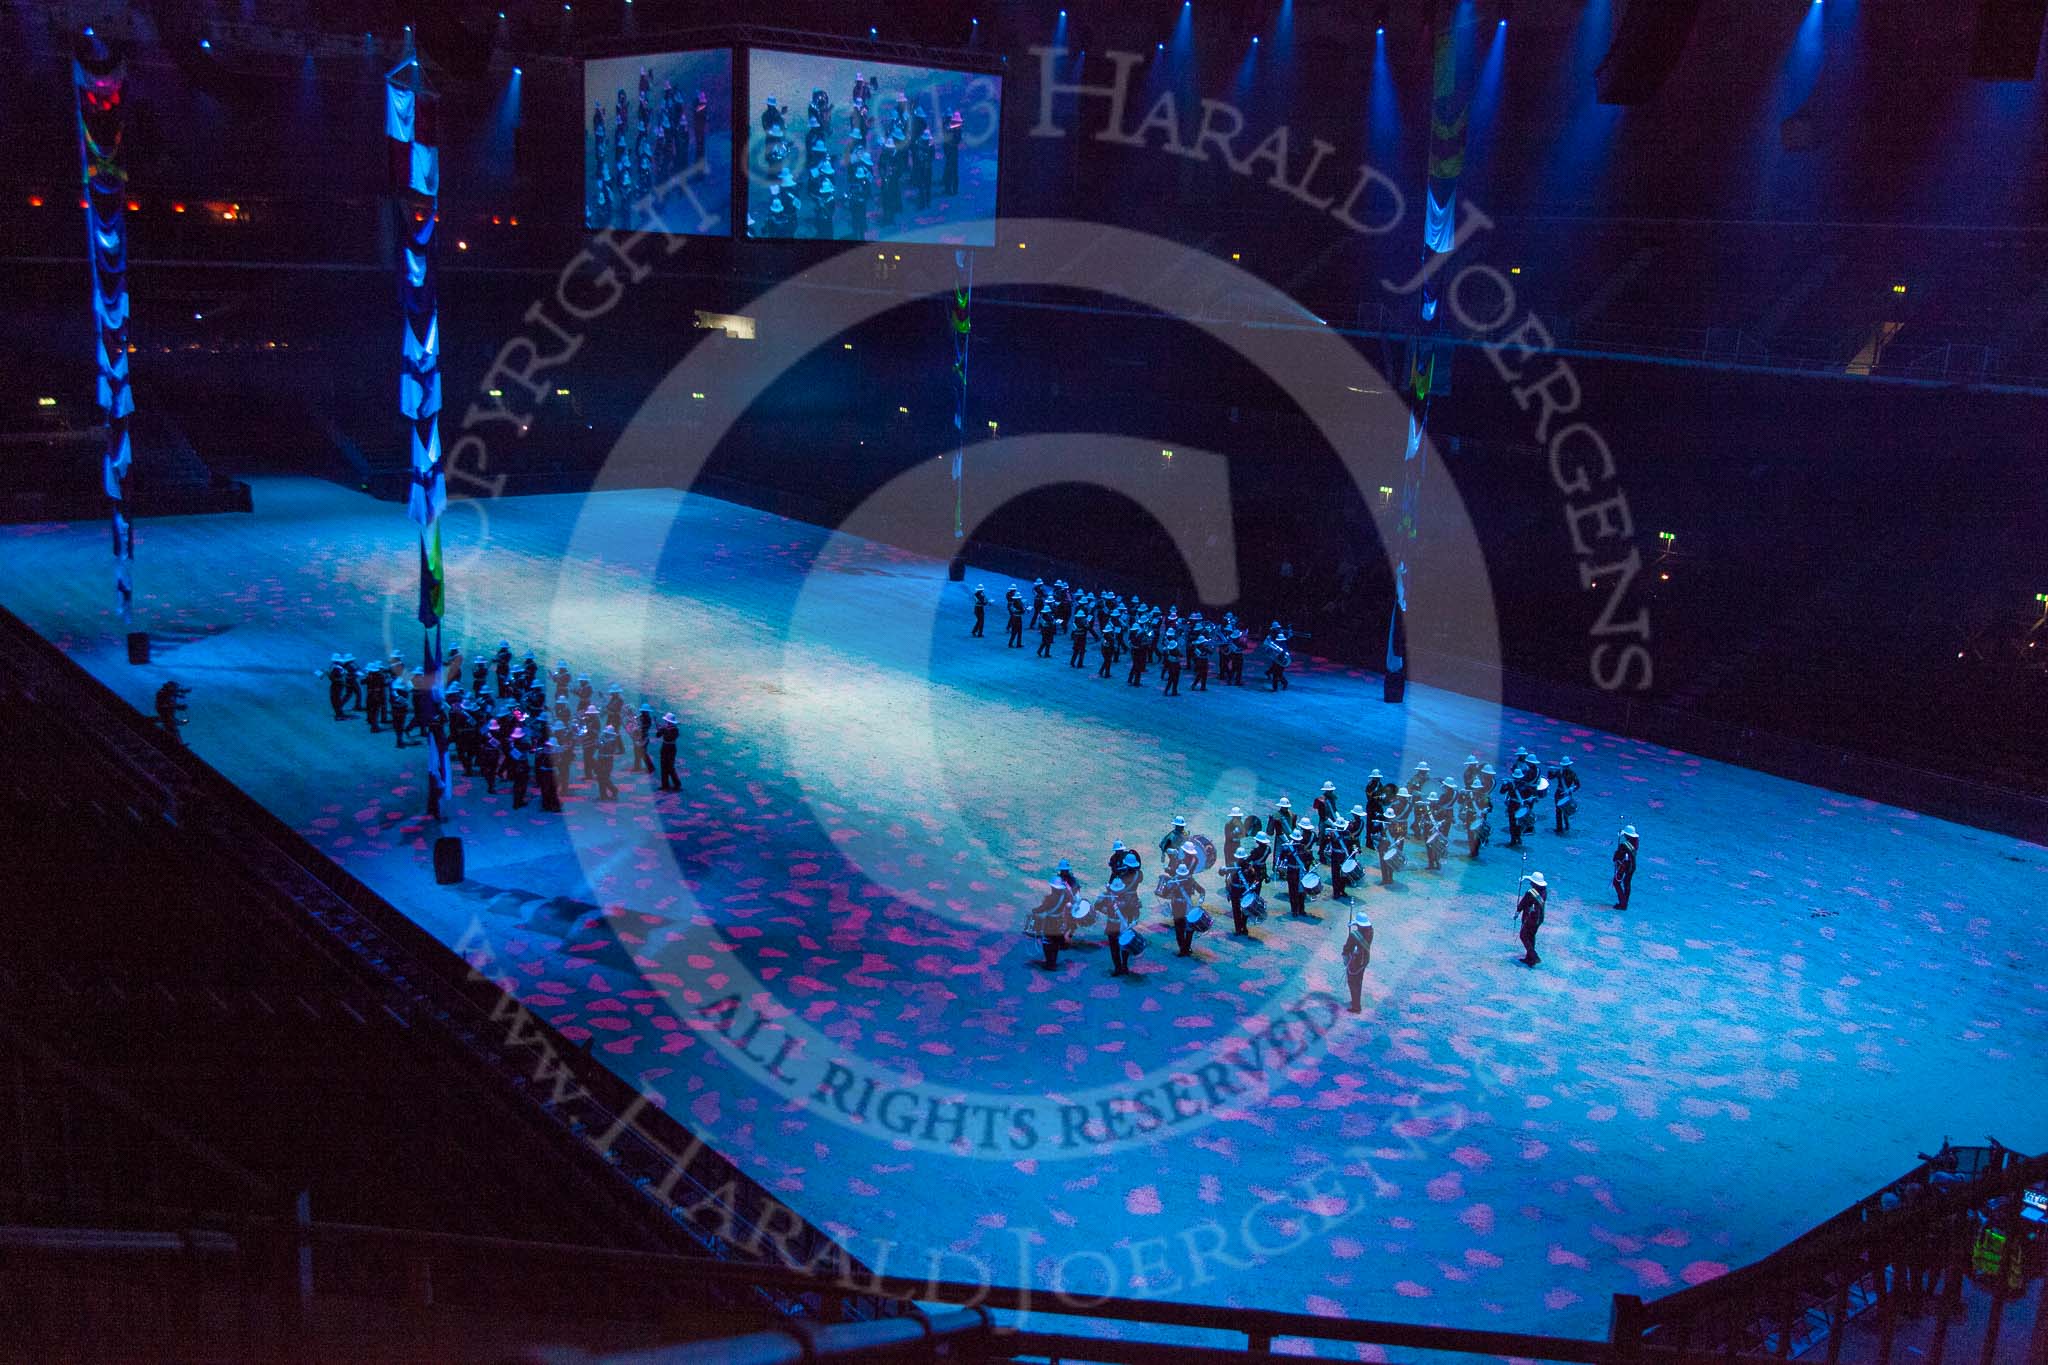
<point>1857,544</point>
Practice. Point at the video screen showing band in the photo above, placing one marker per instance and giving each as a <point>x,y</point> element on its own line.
<point>657,154</point>
<point>844,149</point>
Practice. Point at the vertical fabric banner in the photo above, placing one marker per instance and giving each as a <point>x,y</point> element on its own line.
<point>415,156</point>
<point>1449,117</point>
<point>97,77</point>
<point>961,317</point>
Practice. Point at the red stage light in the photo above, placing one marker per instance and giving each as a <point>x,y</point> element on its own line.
<point>35,201</point>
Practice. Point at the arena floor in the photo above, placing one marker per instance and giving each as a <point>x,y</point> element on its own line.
<point>1807,989</point>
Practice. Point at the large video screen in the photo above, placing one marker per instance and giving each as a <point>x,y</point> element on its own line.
<point>844,149</point>
<point>657,151</point>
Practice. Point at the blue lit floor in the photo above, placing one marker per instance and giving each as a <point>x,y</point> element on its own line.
<point>1808,989</point>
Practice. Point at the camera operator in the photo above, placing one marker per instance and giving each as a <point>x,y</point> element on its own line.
<point>170,706</point>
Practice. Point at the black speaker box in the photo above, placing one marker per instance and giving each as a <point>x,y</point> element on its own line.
<point>448,860</point>
<point>956,568</point>
<point>138,646</point>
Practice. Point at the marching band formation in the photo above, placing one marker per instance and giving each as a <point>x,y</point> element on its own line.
<point>891,148</point>
<point>1143,633</point>
<point>530,731</point>
<point>1288,850</point>
<point>527,731</point>
<point>639,155</point>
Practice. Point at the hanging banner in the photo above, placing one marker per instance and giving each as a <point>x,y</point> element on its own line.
<point>1428,355</point>
<point>412,135</point>
<point>97,77</point>
<point>961,319</point>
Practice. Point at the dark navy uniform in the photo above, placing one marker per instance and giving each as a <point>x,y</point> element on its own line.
<point>666,733</point>
<point>377,698</point>
<point>337,686</point>
<point>518,767</point>
<point>1529,914</point>
<point>1357,956</point>
<point>1564,793</point>
<point>544,756</point>
<point>1625,846</point>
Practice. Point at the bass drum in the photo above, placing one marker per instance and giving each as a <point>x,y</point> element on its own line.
<point>1204,849</point>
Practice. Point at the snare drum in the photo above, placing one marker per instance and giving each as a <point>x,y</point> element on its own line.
<point>1349,867</point>
<point>1312,883</point>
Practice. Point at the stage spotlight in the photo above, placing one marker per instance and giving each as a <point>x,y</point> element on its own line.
<point>206,45</point>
